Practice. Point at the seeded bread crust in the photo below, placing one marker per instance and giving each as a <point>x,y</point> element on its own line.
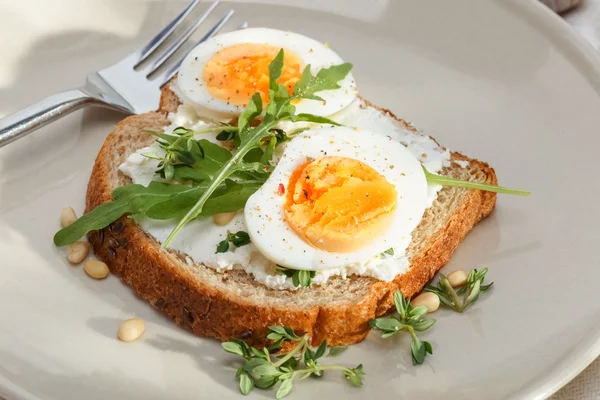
<point>232,304</point>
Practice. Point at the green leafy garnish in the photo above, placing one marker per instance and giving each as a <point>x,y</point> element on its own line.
<point>158,200</point>
<point>334,351</point>
<point>237,239</point>
<point>262,371</point>
<point>388,252</point>
<point>434,179</point>
<point>410,319</point>
<point>131,199</point>
<point>280,108</point>
<point>299,277</point>
<point>470,290</point>
<point>180,149</point>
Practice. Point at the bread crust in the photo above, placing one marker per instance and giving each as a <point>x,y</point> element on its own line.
<point>221,311</point>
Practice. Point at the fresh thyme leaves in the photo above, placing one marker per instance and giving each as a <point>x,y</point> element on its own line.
<point>334,351</point>
<point>434,179</point>
<point>411,320</point>
<point>237,239</point>
<point>299,277</point>
<point>470,290</point>
<point>388,252</point>
<point>280,108</point>
<point>180,149</point>
<point>261,371</point>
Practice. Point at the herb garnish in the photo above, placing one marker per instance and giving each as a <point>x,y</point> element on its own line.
<point>388,252</point>
<point>410,320</point>
<point>180,149</point>
<point>238,239</point>
<point>260,371</point>
<point>280,108</point>
<point>470,290</point>
<point>433,179</point>
<point>300,277</point>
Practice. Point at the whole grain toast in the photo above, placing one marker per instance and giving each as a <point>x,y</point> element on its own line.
<point>232,304</point>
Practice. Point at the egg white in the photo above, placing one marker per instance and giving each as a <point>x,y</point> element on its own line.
<point>191,89</point>
<point>277,241</point>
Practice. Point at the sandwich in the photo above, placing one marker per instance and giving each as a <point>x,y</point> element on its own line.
<point>266,191</point>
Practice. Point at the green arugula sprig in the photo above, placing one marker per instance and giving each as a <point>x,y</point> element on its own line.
<point>410,320</point>
<point>280,108</point>
<point>261,371</point>
<point>433,179</point>
<point>299,277</point>
<point>237,239</point>
<point>470,291</point>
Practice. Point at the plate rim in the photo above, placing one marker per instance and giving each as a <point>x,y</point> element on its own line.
<point>562,36</point>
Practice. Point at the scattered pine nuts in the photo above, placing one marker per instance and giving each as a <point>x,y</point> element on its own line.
<point>223,218</point>
<point>427,299</point>
<point>131,329</point>
<point>96,269</point>
<point>457,278</point>
<point>67,217</point>
<point>77,252</point>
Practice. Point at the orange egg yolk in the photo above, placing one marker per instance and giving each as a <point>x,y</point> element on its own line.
<point>339,204</point>
<point>236,72</point>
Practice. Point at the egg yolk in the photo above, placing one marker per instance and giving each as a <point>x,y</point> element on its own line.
<point>236,72</point>
<point>339,204</point>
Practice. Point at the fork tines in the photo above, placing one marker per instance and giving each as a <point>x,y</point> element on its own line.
<point>161,56</point>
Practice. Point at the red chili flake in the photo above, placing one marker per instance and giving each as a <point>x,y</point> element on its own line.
<point>281,189</point>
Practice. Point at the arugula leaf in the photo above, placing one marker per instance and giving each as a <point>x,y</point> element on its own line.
<point>252,110</point>
<point>230,197</point>
<point>434,179</point>
<point>326,79</point>
<point>313,118</point>
<point>131,199</point>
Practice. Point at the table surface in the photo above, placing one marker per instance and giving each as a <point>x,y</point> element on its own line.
<point>586,20</point>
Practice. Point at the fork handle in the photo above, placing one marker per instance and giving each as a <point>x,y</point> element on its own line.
<point>27,120</point>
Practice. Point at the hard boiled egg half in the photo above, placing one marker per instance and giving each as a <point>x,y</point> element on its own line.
<point>337,198</point>
<point>219,76</point>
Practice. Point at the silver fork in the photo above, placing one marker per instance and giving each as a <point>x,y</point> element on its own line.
<point>119,87</point>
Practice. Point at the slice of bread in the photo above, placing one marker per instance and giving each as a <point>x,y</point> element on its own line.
<point>232,304</point>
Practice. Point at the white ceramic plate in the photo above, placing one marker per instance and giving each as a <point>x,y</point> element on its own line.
<point>503,81</point>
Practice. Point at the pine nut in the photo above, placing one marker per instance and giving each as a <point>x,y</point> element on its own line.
<point>67,217</point>
<point>223,218</point>
<point>427,299</point>
<point>96,269</point>
<point>457,278</point>
<point>77,252</point>
<point>131,329</point>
